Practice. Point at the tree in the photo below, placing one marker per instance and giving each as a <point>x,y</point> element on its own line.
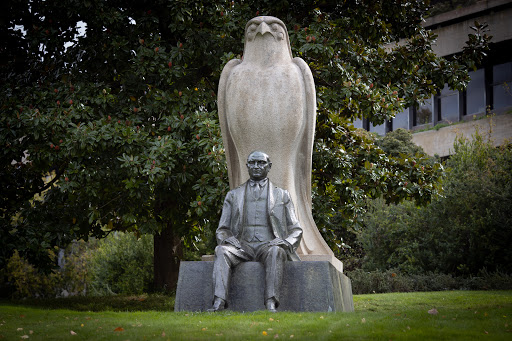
<point>123,116</point>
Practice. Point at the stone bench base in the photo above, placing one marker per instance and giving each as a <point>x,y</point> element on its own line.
<point>307,286</point>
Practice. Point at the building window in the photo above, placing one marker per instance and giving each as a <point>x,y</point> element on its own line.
<point>358,123</point>
<point>361,123</point>
<point>502,80</point>
<point>380,129</point>
<point>401,120</point>
<point>475,93</point>
<point>447,105</point>
<point>489,87</point>
<point>423,113</point>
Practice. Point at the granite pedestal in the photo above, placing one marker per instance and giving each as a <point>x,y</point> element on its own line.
<point>307,286</point>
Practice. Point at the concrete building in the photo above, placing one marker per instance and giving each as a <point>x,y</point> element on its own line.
<point>486,103</point>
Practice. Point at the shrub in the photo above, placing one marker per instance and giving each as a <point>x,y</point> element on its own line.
<point>465,230</point>
<point>367,282</point>
<point>27,281</point>
<point>70,278</point>
<point>388,238</point>
<point>123,264</point>
<point>399,142</point>
<point>485,280</point>
<point>73,264</point>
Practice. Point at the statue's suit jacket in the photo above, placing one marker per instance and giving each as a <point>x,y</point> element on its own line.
<point>282,217</point>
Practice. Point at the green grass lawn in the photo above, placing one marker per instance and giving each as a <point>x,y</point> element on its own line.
<point>448,315</point>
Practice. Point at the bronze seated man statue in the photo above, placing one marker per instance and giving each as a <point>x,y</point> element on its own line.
<point>258,223</point>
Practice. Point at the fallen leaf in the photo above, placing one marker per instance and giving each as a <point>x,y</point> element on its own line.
<point>291,336</point>
<point>72,332</point>
<point>276,336</point>
<point>119,329</point>
<point>204,329</point>
<point>24,336</point>
<point>22,316</point>
<point>433,311</point>
<point>19,329</point>
<point>485,331</point>
<point>363,320</point>
<point>321,317</point>
<point>88,318</point>
<point>31,332</point>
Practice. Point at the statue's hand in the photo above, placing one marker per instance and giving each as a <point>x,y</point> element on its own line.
<point>233,241</point>
<point>280,242</point>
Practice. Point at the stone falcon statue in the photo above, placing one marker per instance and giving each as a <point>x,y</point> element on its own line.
<point>267,101</point>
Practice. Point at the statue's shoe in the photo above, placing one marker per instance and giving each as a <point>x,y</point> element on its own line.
<point>218,305</point>
<point>271,305</point>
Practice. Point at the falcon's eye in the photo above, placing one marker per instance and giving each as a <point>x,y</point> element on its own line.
<point>253,27</point>
<point>275,27</point>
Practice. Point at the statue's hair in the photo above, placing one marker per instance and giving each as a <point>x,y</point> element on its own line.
<point>259,151</point>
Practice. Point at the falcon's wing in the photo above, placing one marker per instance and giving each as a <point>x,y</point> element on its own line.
<point>304,161</point>
<point>234,172</point>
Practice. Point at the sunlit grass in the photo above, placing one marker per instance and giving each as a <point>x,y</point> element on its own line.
<point>448,315</point>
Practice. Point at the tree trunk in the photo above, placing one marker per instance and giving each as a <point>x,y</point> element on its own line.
<point>168,251</point>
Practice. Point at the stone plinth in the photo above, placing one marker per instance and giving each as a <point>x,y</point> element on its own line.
<point>307,286</point>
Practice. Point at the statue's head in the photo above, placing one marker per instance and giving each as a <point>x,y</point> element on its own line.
<point>258,165</point>
<point>266,40</point>
<point>265,24</point>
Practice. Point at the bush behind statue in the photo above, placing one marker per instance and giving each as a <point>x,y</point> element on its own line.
<point>465,230</point>
<point>122,264</point>
<point>368,282</point>
<point>20,279</point>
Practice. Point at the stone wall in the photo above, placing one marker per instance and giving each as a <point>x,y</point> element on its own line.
<point>440,142</point>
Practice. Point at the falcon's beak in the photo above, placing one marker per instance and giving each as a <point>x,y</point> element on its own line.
<point>263,28</point>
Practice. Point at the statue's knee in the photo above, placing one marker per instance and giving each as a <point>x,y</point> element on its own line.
<point>278,251</point>
<point>219,250</point>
